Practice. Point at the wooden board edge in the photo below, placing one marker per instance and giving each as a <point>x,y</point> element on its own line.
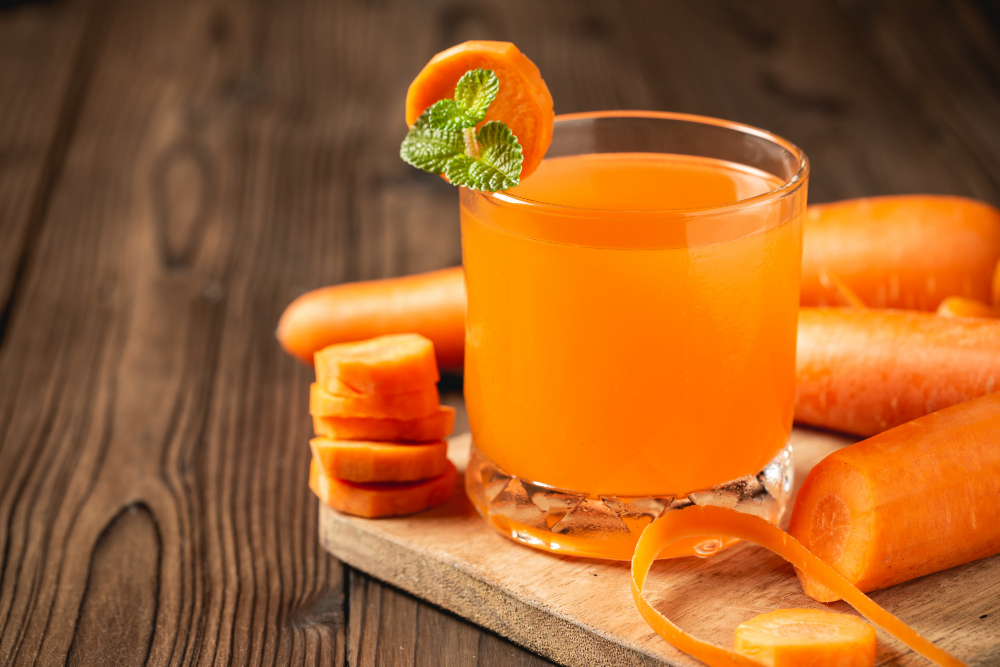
<point>449,586</point>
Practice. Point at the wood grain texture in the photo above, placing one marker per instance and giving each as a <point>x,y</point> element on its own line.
<point>140,371</point>
<point>945,66</point>
<point>579,611</point>
<point>173,173</point>
<point>46,58</point>
<point>397,629</point>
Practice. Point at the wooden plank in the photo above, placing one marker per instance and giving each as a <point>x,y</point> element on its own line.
<point>139,372</point>
<point>578,611</point>
<point>393,628</point>
<point>46,56</point>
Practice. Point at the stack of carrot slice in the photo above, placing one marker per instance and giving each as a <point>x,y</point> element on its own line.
<point>380,428</point>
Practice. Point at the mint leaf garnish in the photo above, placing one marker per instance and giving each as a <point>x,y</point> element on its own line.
<point>498,166</point>
<point>429,148</point>
<point>443,139</point>
<point>475,92</point>
<point>448,114</point>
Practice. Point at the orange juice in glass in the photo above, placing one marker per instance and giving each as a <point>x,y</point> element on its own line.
<point>630,342</point>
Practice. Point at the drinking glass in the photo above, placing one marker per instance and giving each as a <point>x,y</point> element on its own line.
<point>630,340</point>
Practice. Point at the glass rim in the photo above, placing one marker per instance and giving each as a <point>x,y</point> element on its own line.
<point>788,186</point>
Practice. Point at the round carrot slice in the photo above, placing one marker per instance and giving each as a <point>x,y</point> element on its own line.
<point>796,637</point>
<point>361,461</point>
<point>437,426</point>
<point>406,405</point>
<point>523,101</point>
<point>379,499</point>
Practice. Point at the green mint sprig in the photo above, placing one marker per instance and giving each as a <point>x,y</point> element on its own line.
<point>444,139</point>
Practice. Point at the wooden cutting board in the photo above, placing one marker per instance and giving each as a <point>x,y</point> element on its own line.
<point>579,612</point>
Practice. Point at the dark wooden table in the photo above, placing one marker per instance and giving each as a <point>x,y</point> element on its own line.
<point>172,173</point>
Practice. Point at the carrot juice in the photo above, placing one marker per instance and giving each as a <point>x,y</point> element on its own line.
<point>631,330</point>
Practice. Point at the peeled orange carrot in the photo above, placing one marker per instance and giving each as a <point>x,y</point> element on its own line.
<point>960,306</point>
<point>917,499</point>
<point>430,304</point>
<point>863,371</point>
<point>404,405</point>
<point>380,499</point>
<point>807,637</point>
<point>360,461</point>
<point>436,426</point>
<point>387,365</point>
<point>523,101</point>
<point>907,251</point>
<point>714,522</point>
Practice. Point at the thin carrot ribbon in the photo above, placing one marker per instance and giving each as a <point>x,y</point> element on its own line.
<point>699,520</point>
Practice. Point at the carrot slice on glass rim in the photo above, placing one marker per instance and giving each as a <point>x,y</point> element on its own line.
<point>523,101</point>
<point>699,520</point>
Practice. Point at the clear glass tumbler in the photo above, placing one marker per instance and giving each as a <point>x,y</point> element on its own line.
<point>630,342</point>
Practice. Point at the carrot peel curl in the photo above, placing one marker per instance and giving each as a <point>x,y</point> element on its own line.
<point>699,520</point>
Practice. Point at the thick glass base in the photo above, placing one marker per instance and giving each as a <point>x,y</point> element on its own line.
<point>573,523</point>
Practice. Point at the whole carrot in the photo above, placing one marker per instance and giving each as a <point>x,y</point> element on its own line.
<point>431,304</point>
<point>907,251</point>
<point>916,499</point>
<point>865,371</point>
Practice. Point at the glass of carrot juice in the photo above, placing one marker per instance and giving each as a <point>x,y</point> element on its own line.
<point>630,341</point>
